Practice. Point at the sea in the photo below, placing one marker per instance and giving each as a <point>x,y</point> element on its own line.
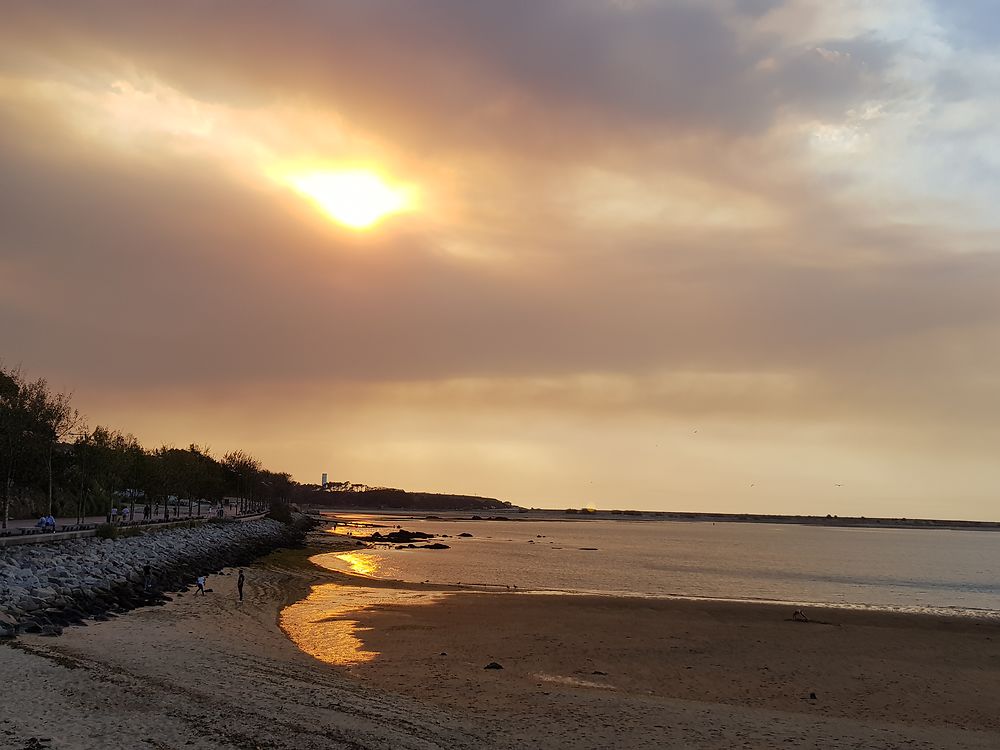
<point>954,572</point>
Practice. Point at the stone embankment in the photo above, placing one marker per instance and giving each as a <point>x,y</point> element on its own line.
<point>44,587</point>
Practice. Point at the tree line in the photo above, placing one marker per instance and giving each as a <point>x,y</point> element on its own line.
<point>52,463</point>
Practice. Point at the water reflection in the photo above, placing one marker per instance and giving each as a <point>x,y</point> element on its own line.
<point>363,563</point>
<point>319,626</point>
<point>325,624</point>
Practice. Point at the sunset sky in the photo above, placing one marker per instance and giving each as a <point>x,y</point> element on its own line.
<point>729,255</point>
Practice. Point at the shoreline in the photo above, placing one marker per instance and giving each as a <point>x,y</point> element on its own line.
<point>578,672</point>
<point>643,672</point>
<point>354,578</point>
<point>540,515</point>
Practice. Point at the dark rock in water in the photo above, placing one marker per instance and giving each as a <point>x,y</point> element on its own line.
<point>597,671</point>
<point>377,535</point>
<point>436,545</point>
<point>477,518</point>
<point>492,665</point>
<point>402,536</point>
<point>589,549</point>
<point>465,534</point>
<point>444,653</point>
<point>812,696</point>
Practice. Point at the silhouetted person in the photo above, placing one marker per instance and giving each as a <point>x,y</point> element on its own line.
<point>239,584</point>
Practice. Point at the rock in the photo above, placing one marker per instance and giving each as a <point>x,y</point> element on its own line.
<point>599,672</point>
<point>436,545</point>
<point>44,587</point>
<point>403,536</point>
<point>812,696</point>
<point>492,665</point>
<point>30,603</point>
<point>465,534</point>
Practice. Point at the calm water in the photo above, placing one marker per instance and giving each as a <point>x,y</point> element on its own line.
<point>883,568</point>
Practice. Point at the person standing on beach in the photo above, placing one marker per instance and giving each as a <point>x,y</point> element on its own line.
<point>239,584</point>
<point>201,585</point>
<point>147,578</point>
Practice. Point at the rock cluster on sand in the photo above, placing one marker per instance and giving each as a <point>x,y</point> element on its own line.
<point>46,586</point>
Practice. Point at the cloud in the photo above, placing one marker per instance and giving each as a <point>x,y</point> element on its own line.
<point>460,74</point>
<point>634,213</point>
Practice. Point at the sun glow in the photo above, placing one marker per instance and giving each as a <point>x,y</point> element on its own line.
<point>358,199</point>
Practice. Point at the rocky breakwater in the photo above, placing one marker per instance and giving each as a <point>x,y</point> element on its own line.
<point>44,587</point>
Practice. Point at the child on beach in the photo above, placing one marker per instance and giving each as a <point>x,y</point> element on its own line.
<point>201,585</point>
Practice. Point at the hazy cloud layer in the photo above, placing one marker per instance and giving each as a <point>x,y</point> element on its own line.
<point>635,217</point>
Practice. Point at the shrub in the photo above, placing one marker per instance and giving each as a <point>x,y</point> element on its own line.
<point>280,512</point>
<point>106,531</point>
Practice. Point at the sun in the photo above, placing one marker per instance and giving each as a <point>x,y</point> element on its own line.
<point>357,199</point>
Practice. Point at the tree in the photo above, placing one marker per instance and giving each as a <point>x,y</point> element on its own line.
<point>243,470</point>
<point>22,429</point>
<point>59,419</point>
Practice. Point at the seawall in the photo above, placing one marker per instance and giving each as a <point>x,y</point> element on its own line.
<point>44,587</point>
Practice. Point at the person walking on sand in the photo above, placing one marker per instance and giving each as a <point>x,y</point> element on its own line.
<point>201,585</point>
<point>239,584</point>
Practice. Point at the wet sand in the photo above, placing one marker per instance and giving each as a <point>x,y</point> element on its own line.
<point>209,672</point>
<point>710,674</point>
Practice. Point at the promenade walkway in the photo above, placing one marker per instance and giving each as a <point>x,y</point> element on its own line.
<point>26,531</point>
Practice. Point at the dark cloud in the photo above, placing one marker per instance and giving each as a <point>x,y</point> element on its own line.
<point>168,273</point>
<point>455,74</point>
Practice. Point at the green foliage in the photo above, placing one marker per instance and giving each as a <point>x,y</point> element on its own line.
<point>106,531</point>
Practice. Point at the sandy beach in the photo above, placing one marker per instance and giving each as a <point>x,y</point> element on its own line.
<point>578,672</point>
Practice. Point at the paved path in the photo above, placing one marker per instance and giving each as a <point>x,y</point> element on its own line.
<point>68,528</point>
<point>206,510</point>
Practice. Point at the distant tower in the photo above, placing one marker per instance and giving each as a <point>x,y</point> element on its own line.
<point>324,479</point>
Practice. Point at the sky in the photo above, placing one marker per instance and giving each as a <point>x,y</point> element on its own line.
<point>721,255</point>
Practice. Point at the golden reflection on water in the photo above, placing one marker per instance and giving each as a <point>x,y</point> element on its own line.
<point>318,625</point>
<point>364,563</point>
<point>322,624</point>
